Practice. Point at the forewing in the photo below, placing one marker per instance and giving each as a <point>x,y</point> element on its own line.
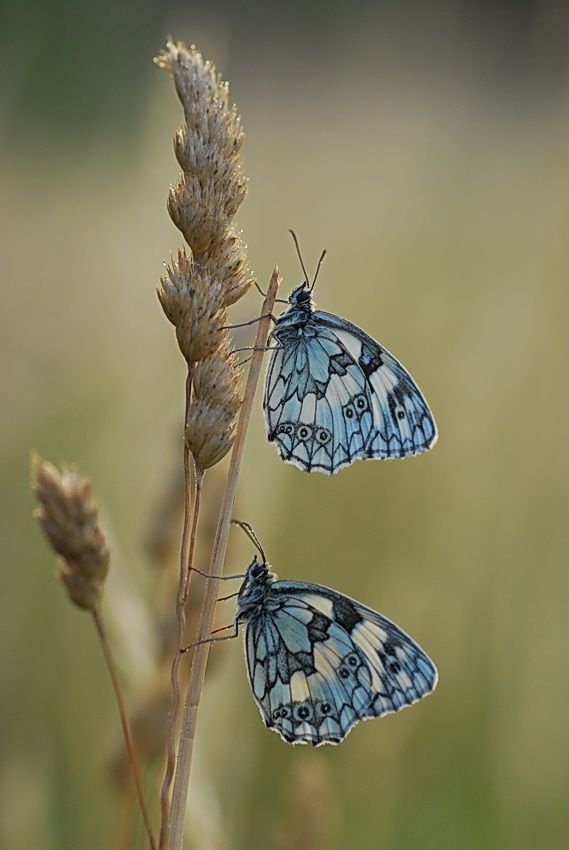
<point>318,662</point>
<point>401,672</point>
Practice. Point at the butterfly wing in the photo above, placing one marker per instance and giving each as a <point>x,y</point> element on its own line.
<point>319,662</point>
<point>311,387</point>
<point>333,394</point>
<point>403,422</point>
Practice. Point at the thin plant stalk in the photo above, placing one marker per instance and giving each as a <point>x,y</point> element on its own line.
<point>174,677</point>
<point>125,724</point>
<point>199,662</point>
<point>186,560</point>
<point>69,518</point>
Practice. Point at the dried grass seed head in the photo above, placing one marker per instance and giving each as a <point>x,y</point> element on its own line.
<point>192,75</point>
<point>202,210</point>
<point>204,96</point>
<point>226,259</point>
<point>210,427</point>
<point>205,199</point>
<point>70,520</point>
<point>192,298</point>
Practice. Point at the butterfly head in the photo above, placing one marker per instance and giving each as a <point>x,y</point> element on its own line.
<point>255,588</point>
<point>301,298</point>
<point>297,314</point>
<point>259,573</point>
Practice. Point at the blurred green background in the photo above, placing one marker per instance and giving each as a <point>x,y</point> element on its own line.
<point>425,146</point>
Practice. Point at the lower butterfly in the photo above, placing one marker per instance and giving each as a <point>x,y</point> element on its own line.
<point>319,662</point>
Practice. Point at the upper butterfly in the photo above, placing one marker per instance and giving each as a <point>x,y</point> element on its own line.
<point>318,661</point>
<point>333,394</point>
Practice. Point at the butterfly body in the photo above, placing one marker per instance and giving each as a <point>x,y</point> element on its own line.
<point>334,394</point>
<point>318,661</point>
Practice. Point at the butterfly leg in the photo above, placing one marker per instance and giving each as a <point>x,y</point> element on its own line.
<point>225,598</point>
<point>233,626</point>
<point>222,578</point>
<point>258,348</point>
<point>246,324</point>
<point>264,294</point>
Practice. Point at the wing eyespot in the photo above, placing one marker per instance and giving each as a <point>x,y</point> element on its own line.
<point>323,436</point>
<point>304,432</point>
<point>302,713</point>
<point>356,408</point>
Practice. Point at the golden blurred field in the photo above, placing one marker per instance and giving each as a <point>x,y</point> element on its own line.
<point>426,147</point>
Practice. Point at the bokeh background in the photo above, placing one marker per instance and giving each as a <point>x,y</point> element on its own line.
<point>425,145</point>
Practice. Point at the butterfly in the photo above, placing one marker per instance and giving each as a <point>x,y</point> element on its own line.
<point>333,394</point>
<point>318,662</point>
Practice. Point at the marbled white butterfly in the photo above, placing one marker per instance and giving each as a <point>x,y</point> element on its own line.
<point>318,661</point>
<point>333,394</point>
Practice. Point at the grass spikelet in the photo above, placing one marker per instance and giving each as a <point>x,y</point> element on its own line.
<point>212,186</point>
<point>204,200</point>
<point>211,420</point>
<point>227,261</point>
<point>70,520</point>
<point>192,299</point>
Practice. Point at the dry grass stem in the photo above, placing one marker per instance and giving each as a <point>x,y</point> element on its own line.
<point>111,666</point>
<point>186,560</point>
<point>195,293</point>
<point>199,661</point>
<point>70,520</point>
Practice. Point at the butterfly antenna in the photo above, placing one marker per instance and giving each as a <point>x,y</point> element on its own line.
<point>293,234</point>
<point>323,254</point>
<point>251,535</point>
